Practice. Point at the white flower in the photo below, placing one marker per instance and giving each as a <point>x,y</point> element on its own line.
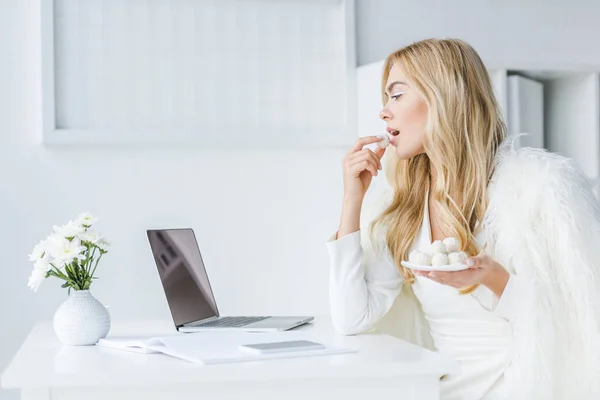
<point>88,236</point>
<point>40,268</point>
<point>86,219</point>
<point>67,245</point>
<point>37,251</point>
<point>71,229</point>
<point>65,251</point>
<point>103,244</point>
<point>37,277</point>
<point>43,263</point>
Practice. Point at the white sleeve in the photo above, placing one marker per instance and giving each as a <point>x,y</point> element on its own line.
<point>359,294</point>
<point>515,301</point>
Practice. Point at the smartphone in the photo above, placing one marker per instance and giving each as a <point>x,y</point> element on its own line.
<point>281,347</point>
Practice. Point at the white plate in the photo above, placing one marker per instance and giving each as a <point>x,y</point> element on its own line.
<point>446,268</point>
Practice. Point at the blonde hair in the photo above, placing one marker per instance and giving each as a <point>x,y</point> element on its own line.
<point>463,132</point>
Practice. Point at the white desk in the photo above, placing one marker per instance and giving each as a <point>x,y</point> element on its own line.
<point>383,368</point>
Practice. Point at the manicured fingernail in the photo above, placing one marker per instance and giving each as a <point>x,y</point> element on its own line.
<point>432,274</point>
<point>379,136</point>
<point>470,262</point>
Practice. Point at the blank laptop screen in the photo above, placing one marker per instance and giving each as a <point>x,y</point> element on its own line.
<point>183,275</point>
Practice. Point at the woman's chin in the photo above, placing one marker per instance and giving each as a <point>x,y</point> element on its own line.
<point>403,154</point>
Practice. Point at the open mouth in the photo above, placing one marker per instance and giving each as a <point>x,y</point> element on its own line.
<point>393,132</point>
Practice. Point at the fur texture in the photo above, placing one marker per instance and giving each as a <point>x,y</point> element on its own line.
<point>543,224</point>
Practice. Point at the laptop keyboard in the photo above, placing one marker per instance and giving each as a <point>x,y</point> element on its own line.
<point>230,322</point>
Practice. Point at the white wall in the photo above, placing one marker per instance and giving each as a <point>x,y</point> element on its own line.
<point>514,33</point>
<point>572,117</point>
<point>261,218</point>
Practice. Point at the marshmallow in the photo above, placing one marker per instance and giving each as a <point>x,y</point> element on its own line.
<point>438,247</point>
<point>419,258</point>
<point>439,259</point>
<point>457,257</point>
<point>451,244</point>
<point>384,142</point>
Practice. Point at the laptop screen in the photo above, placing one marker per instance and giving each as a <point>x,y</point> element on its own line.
<point>183,275</point>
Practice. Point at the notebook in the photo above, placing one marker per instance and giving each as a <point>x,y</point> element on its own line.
<point>134,344</point>
<point>216,347</point>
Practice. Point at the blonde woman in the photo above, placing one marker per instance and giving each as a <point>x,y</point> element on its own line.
<point>523,320</point>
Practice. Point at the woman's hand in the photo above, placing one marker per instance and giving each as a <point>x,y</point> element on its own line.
<point>483,270</point>
<point>360,166</point>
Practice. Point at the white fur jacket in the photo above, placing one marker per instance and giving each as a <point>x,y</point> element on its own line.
<point>543,224</point>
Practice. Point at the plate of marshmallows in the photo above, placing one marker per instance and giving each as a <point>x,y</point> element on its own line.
<point>444,255</point>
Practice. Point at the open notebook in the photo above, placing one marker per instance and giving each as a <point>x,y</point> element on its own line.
<point>216,347</point>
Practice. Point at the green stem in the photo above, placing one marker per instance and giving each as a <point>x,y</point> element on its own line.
<point>87,256</point>
<point>59,273</point>
<point>91,259</point>
<point>94,270</point>
<point>79,271</point>
<point>72,274</point>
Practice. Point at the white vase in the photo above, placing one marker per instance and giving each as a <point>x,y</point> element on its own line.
<point>81,320</point>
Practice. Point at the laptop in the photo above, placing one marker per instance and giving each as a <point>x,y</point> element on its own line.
<point>188,290</point>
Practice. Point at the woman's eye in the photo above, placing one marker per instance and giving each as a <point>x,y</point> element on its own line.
<point>395,96</point>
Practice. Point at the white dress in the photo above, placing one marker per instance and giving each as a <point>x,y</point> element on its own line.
<point>473,329</point>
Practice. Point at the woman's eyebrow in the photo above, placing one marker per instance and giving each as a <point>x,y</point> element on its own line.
<point>391,86</point>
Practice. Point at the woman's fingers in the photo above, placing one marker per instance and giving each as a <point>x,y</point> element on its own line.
<point>379,152</point>
<point>456,279</point>
<point>478,261</point>
<point>363,165</point>
<point>363,141</point>
<point>365,154</point>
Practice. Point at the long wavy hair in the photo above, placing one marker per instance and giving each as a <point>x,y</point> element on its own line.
<point>463,132</point>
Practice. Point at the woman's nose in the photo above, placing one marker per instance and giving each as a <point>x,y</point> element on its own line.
<point>384,114</point>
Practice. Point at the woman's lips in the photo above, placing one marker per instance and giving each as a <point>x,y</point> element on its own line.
<point>393,133</point>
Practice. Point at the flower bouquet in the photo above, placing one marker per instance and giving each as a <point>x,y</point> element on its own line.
<point>72,254</point>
